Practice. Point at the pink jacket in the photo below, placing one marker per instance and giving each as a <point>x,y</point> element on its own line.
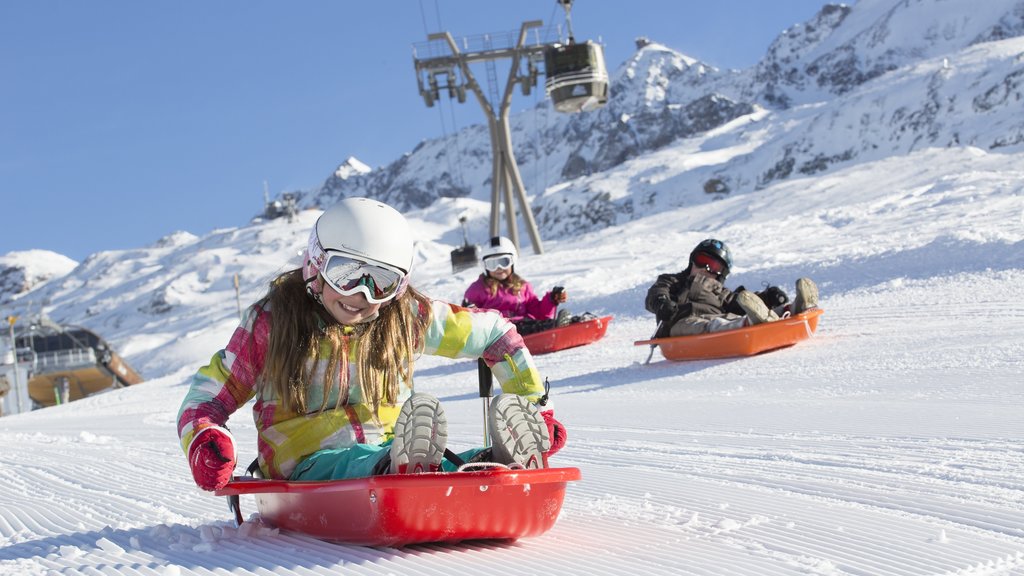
<point>512,306</point>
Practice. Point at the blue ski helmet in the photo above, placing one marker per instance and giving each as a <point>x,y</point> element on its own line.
<point>717,250</point>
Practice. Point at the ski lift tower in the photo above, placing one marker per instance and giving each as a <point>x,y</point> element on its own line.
<point>576,81</point>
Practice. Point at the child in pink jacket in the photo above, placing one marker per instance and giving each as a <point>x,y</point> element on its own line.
<point>500,288</point>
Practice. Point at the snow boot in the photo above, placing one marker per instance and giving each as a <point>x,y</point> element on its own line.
<point>564,318</point>
<point>757,311</point>
<point>519,435</point>
<point>806,296</point>
<point>421,435</point>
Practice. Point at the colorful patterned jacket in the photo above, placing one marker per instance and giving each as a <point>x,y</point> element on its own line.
<point>285,437</point>
<point>515,307</point>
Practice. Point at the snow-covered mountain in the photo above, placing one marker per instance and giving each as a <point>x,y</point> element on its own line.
<point>888,444</point>
<point>850,85</point>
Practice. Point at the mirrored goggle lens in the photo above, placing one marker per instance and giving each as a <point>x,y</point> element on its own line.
<point>348,276</point>
<point>493,263</point>
<point>707,262</point>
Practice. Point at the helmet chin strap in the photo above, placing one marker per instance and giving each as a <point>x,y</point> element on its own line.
<point>311,289</point>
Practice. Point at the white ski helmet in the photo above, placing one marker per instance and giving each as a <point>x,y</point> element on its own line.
<point>364,229</point>
<point>500,246</point>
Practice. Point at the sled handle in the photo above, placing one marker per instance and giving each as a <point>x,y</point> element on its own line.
<point>653,346</point>
<point>486,381</point>
<point>234,504</point>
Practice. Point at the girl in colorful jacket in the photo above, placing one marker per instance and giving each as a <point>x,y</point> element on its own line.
<point>500,288</point>
<point>328,354</point>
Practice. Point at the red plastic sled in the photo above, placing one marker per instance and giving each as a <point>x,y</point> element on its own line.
<point>741,341</point>
<point>400,509</point>
<point>569,336</point>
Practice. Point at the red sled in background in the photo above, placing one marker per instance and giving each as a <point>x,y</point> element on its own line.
<point>740,341</point>
<point>568,336</point>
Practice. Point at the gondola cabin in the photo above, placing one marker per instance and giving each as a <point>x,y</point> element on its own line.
<point>467,255</point>
<point>577,80</point>
<point>70,363</point>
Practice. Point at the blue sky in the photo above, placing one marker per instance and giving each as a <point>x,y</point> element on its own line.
<point>124,121</point>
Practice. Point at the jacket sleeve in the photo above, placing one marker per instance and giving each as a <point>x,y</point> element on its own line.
<point>228,381</point>
<point>457,332</point>
<point>664,285</point>
<point>476,294</point>
<point>538,308</point>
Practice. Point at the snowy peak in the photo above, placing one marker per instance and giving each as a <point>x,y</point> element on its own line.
<point>176,239</point>
<point>21,272</point>
<point>656,75</point>
<point>351,167</point>
<point>653,59</point>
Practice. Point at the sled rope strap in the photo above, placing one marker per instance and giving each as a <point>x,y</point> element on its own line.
<point>454,458</point>
<point>356,424</point>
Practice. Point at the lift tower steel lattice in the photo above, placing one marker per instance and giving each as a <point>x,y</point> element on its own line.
<point>505,177</point>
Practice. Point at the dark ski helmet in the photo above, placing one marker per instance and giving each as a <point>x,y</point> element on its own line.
<point>717,250</point>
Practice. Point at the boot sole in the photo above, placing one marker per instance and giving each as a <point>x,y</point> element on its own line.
<point>519,435</point>
<point>421,435</point>
<point>757,311</point>
<point>806,295</point>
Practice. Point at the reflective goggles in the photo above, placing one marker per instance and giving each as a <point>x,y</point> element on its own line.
<point>348,275</point>
<point>492,263</point>
<point>708,263</point>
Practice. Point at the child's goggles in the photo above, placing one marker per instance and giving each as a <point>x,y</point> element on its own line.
<point>348,275</point>
<point>708,263</point>
<point>492,263</point>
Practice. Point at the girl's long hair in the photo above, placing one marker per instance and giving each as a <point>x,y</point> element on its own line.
<point>514,283</point>
<point>302,330</point>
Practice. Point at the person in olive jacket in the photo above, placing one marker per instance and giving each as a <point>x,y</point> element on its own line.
<point>696,301</point>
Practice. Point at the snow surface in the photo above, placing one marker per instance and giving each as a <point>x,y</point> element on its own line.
<point>890,443</point>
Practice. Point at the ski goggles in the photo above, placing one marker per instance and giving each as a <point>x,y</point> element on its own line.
<point>492,263</point>
<point>708,263</point>
<point>348,276</point>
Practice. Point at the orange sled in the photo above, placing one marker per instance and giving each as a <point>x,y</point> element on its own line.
<point>741,341</point>
<point>569,336</point>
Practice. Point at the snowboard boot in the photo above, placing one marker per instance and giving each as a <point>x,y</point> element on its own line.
<point>519,435</point>
<point>564,318</point>
<point>806,296</point>
<point>421,435</point>
<point>757,311</point>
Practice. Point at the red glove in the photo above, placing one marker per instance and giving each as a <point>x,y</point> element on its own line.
<point>212,458</point>
<point>555,430</point>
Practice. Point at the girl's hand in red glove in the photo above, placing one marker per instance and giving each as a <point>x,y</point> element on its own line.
<point>212,458</point>
<point>555,431</point>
